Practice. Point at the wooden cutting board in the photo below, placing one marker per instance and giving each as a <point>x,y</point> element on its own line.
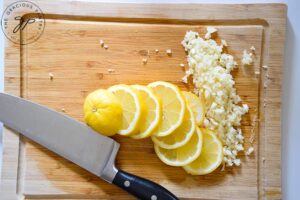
<point>69,49</point>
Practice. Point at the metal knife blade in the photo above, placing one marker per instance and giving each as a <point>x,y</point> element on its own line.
<point>61,134</point>
<point>76,142</point>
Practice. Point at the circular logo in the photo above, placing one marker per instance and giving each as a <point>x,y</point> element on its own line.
<point>23,22</point>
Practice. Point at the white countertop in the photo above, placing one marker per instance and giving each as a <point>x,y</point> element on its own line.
<point>291,90</point>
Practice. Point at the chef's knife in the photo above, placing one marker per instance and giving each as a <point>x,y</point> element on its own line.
<point>76,142</point>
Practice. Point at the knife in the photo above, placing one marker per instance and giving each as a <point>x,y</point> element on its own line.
<point>76,142</point>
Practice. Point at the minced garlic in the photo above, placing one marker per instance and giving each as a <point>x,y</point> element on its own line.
<point>210,30</point>
<point>169,52</point>
<point>51,76</point>
<point>210,70</point>
<point>111,70</point>
<point>145,60</point>
<point>247,58</point>
<point>101,43</point>
<point>185,79</point>
<point>224,43</point>
<point>265,67</point>
<point>249,151</point>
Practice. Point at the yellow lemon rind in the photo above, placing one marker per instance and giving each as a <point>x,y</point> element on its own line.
<point>190,158</point>
<point>199,122</point>
<point>181,114</point>
<point>215,165</point>
<point>150,92</point>
<point>134,124</point>
<point>107,116</point>
<point>159,142</point>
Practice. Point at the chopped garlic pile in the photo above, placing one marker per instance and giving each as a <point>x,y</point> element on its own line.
<point>210,70</point>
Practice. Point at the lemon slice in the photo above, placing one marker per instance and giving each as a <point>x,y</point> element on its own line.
<point>183,155</point>
<point>132,105</point>
<point>103,112</point>
<point>211,156</point>
<point>197,106</point>
<point>152,115</point>
<point>173,107</point>
<point>181,135</point>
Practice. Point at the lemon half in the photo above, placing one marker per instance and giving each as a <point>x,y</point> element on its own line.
<point>103,112</point>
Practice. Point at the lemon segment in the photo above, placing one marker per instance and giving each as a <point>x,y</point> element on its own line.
<point>152,115</point>
<point>183,155</point>
<point>211,156</point>
<point>132,105</point>
<point>173,107</point>
<point>197,106</point>
<point>179,136</point>
<point>103,112</point>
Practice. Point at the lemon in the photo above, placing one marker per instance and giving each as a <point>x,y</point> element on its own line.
<point>173,107</point>
<point>181,135</point>
<point>103,112</point>
<point>183,155</point>
<point>211,156</point>
<point>132,105</point>
<point>152,115</point>
<point>197,106</point>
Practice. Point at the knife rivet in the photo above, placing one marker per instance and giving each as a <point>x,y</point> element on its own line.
<point>153,197</point>
<point>126,183</point>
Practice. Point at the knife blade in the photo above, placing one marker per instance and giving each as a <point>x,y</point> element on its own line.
<point>76,142</point>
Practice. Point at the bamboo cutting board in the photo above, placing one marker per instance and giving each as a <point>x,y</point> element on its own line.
<point>69,49</point>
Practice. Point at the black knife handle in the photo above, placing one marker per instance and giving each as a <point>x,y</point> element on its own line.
<point>142,188</point>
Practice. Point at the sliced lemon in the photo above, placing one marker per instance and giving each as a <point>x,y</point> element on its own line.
<point>152,115</point>
<point>132,105</point>
<point>173,107</point>
<point>183,155</point>
<point>211,156</point>
<point>181,135</point>
<point>103,112</point>
<point>197,106</point>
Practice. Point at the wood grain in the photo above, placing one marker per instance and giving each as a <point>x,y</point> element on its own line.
<point>69,49</point>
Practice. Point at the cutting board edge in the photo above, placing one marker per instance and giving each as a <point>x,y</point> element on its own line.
<point>276,23</point>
